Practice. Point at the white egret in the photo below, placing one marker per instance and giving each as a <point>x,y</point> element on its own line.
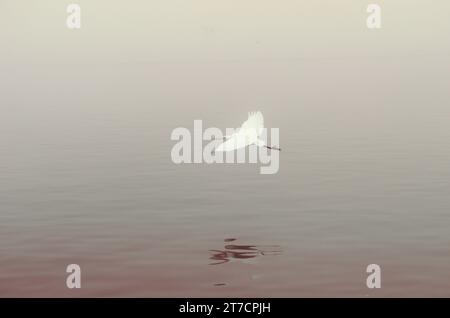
<point>248,134</point>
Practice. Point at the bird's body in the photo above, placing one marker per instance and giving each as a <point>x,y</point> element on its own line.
<point>248,134</point>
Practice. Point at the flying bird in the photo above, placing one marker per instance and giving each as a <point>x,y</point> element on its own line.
<point>248,134</point>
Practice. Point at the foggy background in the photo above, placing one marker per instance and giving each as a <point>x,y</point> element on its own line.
<point>86,175</point>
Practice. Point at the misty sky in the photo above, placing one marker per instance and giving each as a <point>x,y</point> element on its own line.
<point>141,31</point>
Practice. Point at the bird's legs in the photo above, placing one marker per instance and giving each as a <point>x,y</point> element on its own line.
<point>272,148</point>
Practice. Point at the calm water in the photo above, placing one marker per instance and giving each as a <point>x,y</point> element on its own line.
<point>86,177</point>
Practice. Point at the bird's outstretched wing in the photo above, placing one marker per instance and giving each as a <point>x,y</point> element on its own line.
<point>246,135</point>
<point>255,121</point>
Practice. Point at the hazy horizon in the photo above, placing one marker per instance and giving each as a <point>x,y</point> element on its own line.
<point>87,177</point>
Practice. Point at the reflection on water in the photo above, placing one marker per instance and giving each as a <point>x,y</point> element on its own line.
<point>362,180</point>
<point>239,252</point>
